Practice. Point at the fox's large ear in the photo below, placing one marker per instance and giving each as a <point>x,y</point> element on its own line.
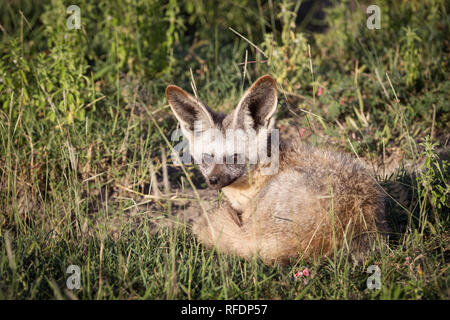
<point>188,109</point>
<point>258,105</point>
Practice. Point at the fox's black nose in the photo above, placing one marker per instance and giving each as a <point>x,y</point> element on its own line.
<point>213,180</point>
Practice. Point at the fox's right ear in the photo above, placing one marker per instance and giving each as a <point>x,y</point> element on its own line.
<point>258,105</point>
<point>188,109</point>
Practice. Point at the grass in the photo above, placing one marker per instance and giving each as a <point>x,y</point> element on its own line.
<point>84,127</point>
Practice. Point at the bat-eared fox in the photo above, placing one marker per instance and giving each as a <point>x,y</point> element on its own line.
<point>285,199</point>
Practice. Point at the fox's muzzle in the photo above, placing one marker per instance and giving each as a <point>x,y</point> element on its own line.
<point>217,179</point>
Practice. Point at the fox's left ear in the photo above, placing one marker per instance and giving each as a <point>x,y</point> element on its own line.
<point>257,107</point>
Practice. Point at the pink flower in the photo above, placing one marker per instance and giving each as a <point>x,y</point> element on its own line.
<point>407,260</point>
<point>342,102</point>
<point>305,273</point>
<point>319,92</point>
<point>302,132</point>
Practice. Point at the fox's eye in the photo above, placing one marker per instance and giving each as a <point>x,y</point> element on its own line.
<point>207,158</point>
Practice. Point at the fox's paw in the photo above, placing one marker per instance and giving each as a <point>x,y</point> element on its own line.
<point>218,228</point>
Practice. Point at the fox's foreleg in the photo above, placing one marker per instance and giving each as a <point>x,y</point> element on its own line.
<point>223,229</point>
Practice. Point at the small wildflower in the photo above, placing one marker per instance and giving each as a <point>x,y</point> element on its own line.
<point>302,132</point>
<point>407,260</point>
<point>306,272</point>
<point>298,274</point>
<point>342,102</point>
<point>419,271</point>
<point>319,92</point>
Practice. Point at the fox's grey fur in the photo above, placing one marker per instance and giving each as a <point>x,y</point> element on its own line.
<point>317,202</point>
